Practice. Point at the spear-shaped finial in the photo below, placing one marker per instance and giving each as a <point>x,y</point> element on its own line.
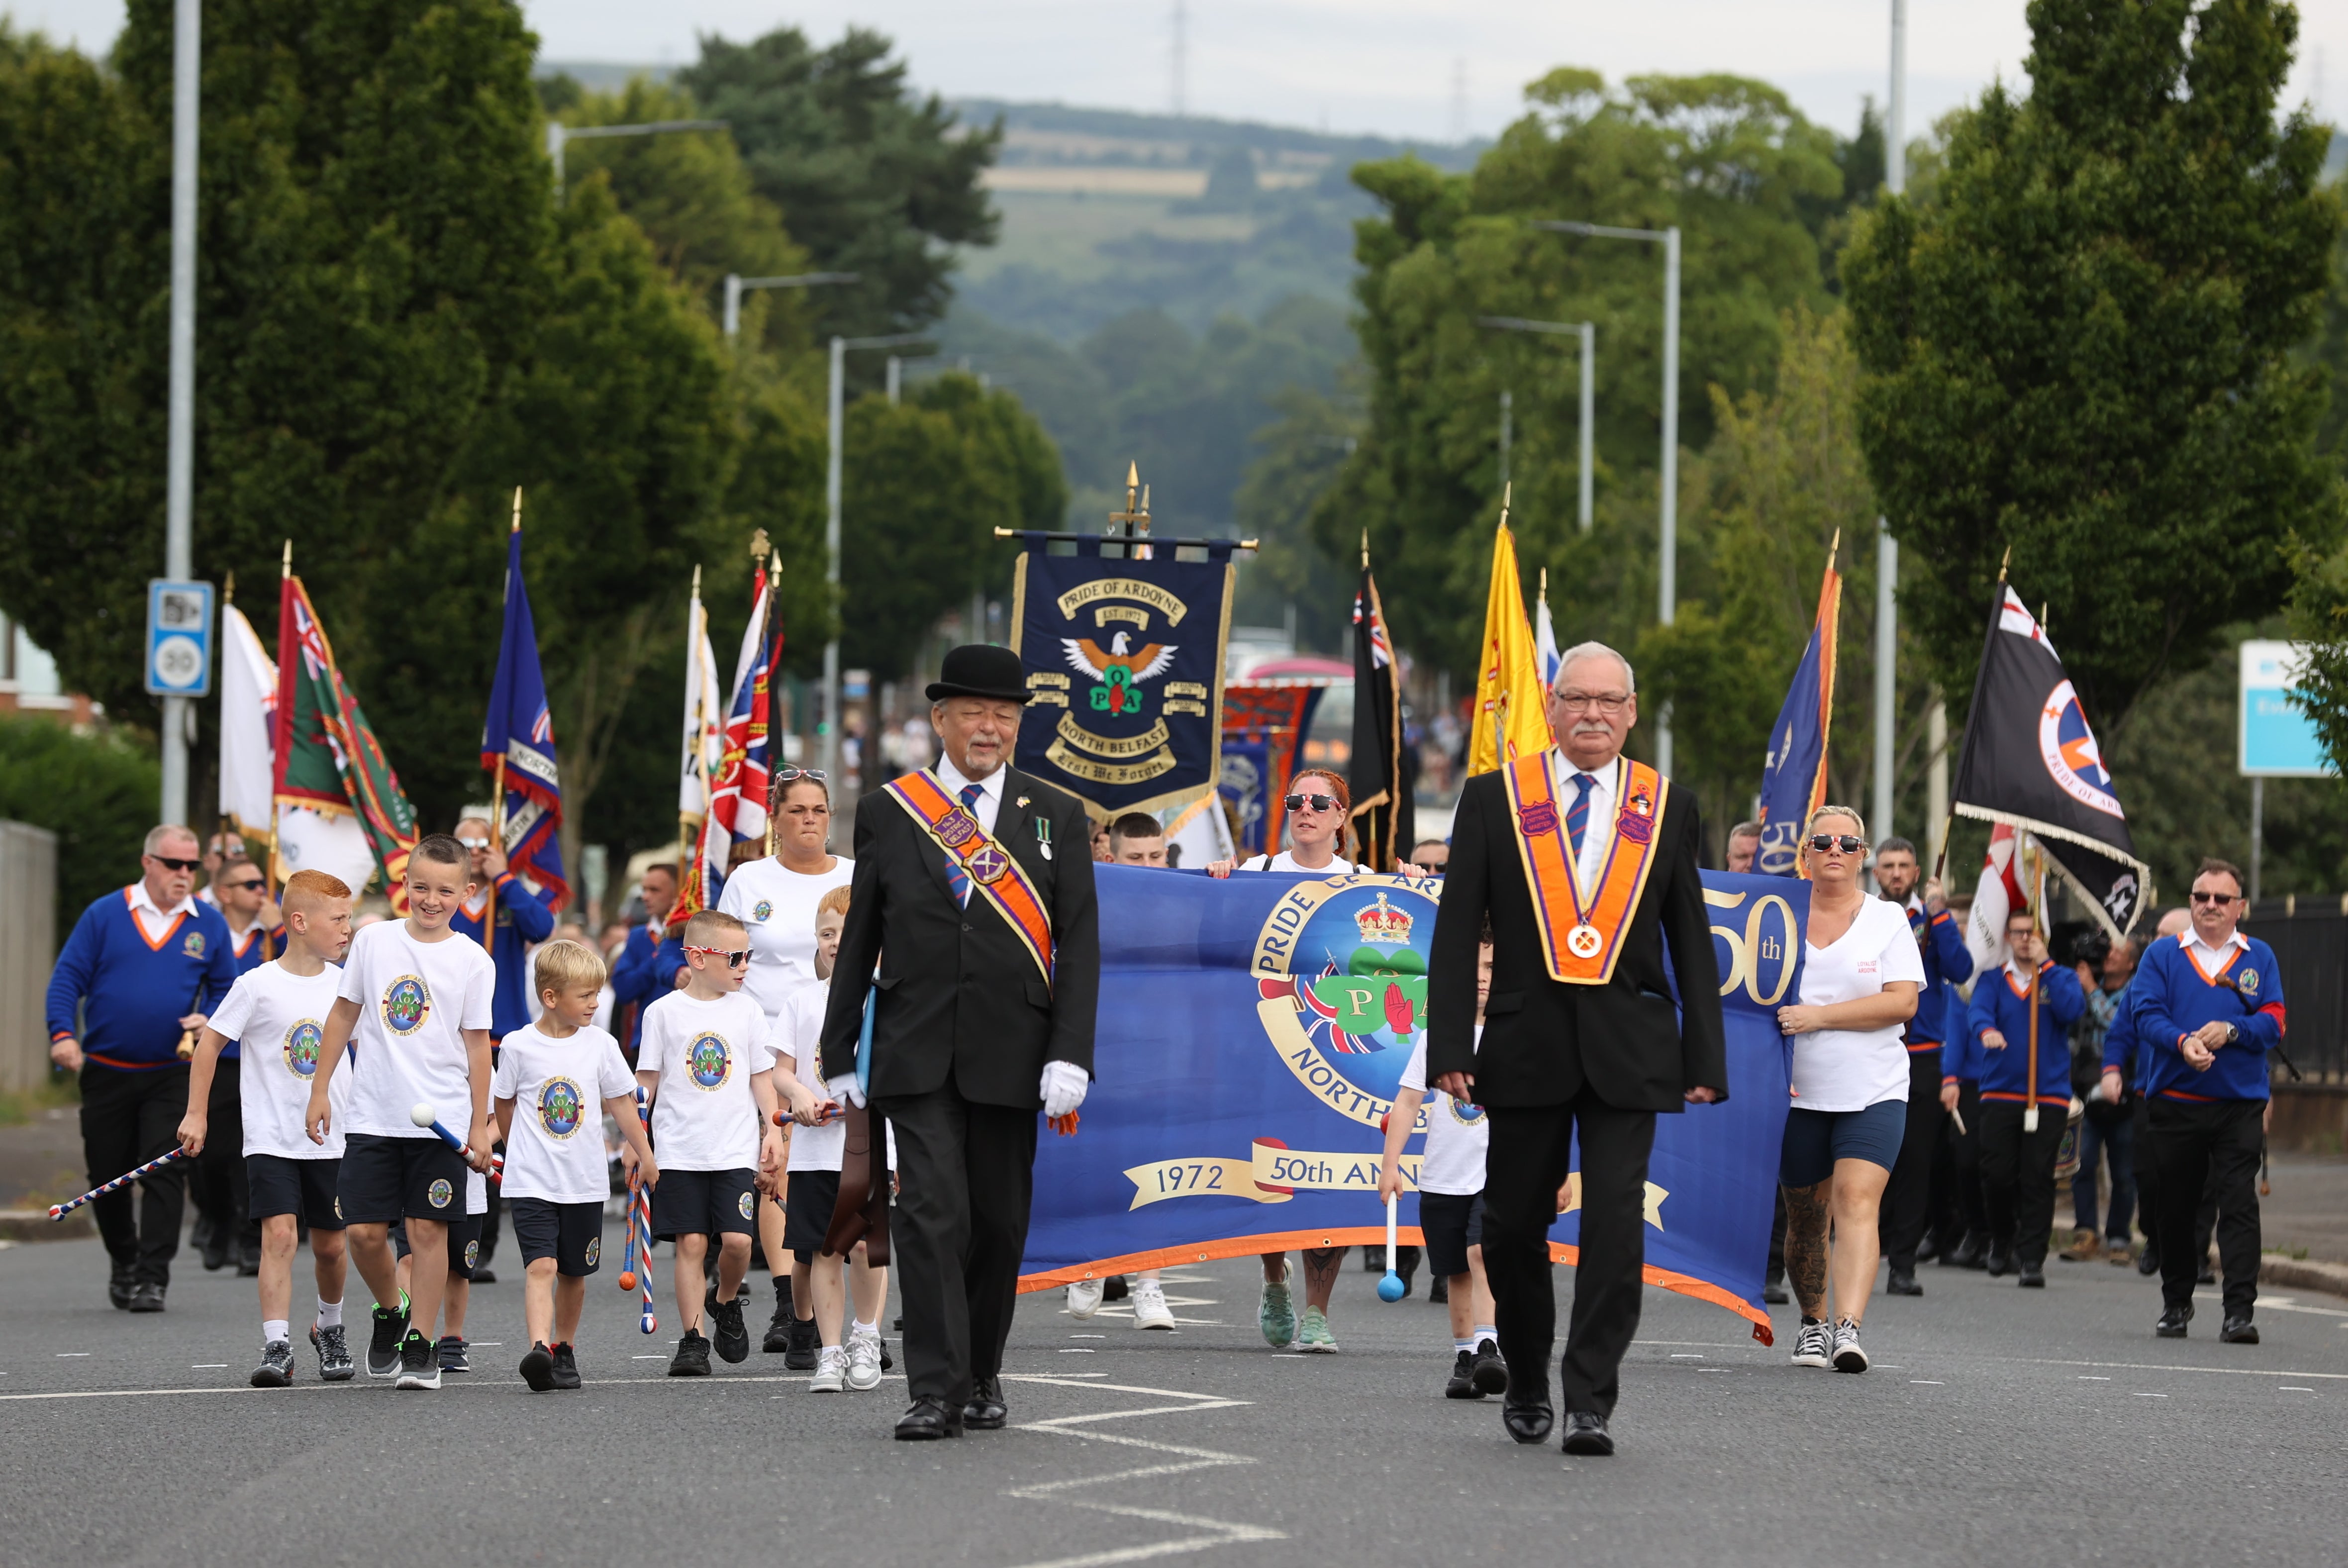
<point>1507,492</point>
<point>1365,550</point>
<point>2002,565</point>
<point>228,590</point>
<point>286,568</point>
<point>774,569</point>
<point>1835,547</point>
<point>517,510</point>
<point>697,582</point>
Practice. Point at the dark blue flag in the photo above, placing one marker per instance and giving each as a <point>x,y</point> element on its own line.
<point>1794,780</point>
<point>1124,674</point>
<point>519,734</point>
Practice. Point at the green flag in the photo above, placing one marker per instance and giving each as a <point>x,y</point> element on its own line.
<point>327,755</point>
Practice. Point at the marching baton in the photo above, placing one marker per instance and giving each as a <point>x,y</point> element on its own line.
<point>1959,1118</point>
<point>60,1211</point>
<point>1391,1288</point>
<point>422,1114</point>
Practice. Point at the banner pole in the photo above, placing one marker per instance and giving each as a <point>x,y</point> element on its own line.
<point>2030,1088</point>
<point>498,788</point>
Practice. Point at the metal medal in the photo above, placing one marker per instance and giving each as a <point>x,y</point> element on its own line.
<point>1583,941</point>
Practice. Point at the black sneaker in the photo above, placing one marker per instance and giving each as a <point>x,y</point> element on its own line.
<point>451,1351</point>
<point>333,1350</point>
<point>733,1339</point>
<point>483,1274</point>
<point>1491,1373</point>
<point>778,1329</point>
<point>1462,1383</point>
<point>1439,1291</point>
<point>383,1340</point>
<point>419,1367</point>
<point>888,1362</point>
<point>538,1368</point>
<point>566,1366</point>
<point>276,1369</point>
<point>118,1288</point>
<point>147,1297</point>
<point>805,1342</point>
<point>692,1358</point>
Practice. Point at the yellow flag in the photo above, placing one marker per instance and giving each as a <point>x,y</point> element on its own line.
<point>1511,708</point>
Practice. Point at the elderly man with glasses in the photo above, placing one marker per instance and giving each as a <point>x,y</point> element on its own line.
<point>144,966</point>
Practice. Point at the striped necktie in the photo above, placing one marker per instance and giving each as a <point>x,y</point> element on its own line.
<point>1577,816</point>
<point>958,880</point>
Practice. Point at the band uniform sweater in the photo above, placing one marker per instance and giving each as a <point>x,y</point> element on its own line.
<point>131,991</point>
<point>2178,995</point>
<point>248,955</point>
<point>2002,1002</point>
<point>523,921</point>
<point>1941,940</point>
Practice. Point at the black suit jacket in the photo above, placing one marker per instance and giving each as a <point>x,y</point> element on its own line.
<point>960,998</point>
<point>1544,1039</point>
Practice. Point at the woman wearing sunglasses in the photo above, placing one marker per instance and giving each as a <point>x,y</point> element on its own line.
<point>1861,974</point>
<point>1320,811</point>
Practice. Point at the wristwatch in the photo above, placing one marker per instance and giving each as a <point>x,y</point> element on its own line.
<point>2233,1034</point>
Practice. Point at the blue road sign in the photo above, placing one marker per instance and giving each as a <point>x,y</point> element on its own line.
<point>2275,739</point>
<point>179,638</point>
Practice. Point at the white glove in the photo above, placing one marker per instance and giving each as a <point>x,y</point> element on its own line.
<point>1063,1088</point>
<point>843,1089</point>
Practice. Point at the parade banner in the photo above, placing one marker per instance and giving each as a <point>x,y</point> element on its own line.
<point>1124,660</point>
<point>1263,744</point>
<point>1794,777</point>
<point>334,788</point>
<point>1252,1036</point>
<point>518,745</point>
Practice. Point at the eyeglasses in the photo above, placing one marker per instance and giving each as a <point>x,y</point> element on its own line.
<point>1848,843</point>
<point>735,956</point>
<point>475,843</point>
<point>174,862</point>
<point>2220,899</point>
<point>1309,802</point>
<point>791,775</point>
<point>1607,703</point>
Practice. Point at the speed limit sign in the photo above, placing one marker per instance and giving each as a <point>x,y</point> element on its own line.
<point>179,638</point>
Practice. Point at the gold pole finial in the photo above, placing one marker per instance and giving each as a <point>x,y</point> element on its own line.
<point>286,568</point>
<point>228,590</point>
<point>1544,584</point>
<point>1834,548</point>
<point>2002,565</point>
<point>1507,492</point>
<point>517,510</point>
<point>758,548</point>
<point>697,582</point>
<point>1365,550</point>
<point>774,569</point>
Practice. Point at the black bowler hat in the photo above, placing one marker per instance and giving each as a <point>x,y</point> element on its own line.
<point>980,669</point>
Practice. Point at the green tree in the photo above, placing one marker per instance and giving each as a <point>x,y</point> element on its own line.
<point>95,792</point>
<point>2080,350</point>
<point>871,177</point>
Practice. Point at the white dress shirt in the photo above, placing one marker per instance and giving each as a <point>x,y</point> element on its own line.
<point>152,918</point>
<point>990,801</point>
<point>2211,959</point>
<point>1598,829</point>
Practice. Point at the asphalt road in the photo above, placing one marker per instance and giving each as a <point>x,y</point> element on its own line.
<point>1998,1426</point>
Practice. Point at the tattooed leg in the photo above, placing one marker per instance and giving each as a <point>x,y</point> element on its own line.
<point>1321,1269</point>
<point>1805,1246</point>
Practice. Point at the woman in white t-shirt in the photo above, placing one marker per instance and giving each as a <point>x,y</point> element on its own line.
<point>775,898</point>
<point>1861,973</point>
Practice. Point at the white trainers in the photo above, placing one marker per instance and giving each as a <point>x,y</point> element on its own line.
<point>864,1359</point>
<point>1084,1298</point>
<point>1847,1355</point>
<point>1149,1308</point>
<point>1812,1345</point>
<point>831,1371</point>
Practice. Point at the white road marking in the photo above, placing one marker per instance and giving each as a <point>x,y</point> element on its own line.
<point>2151,1367</point>
<point>2091,1378</point>
<point>1687,1356</point>
<point>1079,1350</point>
<point>1926,1383</point>
<point>2141,1395</point>
<point>1088,1337</point>
<point>2288,1389</point>
<point>207,1366</point>
<point>71,1355</point>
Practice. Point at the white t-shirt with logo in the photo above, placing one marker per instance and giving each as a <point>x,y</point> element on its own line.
<point>1850,1069</point>
<point>704,1115</point>
<point>1457,1133</point>
<point>1285,862</point>
<point>280,1021</point>
<point>414,1000</point>
<point>555,1149</point>
<point>777,906</point>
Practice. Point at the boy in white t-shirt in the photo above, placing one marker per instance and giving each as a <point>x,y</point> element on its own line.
<point>413,1011</point>
<point>1451,1204</point>
<point>564,1074</point>
<point>277,1012</point>
<point>703,1058</point>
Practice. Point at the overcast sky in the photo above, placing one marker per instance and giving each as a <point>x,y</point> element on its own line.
<point>1393,66</point>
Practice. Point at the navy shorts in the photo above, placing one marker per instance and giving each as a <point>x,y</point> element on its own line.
<point>1451,1223</point>
<point>570,1234</point>
<point>388,1179</point>
<point>464,1243</point>
<point>704,1204</point>
<point>1815,1140</point>
<point>303,1188</point>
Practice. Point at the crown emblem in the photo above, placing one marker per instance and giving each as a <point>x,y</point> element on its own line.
<point>1383,924</point>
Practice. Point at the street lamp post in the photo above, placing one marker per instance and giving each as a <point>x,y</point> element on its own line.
<point>836,404</point>
<point>736,285</point>
<point>1588,333</point>
<point>179,452</point>
<point>1667,591</point>
<point>1887,549</point>
<point>558,134</point>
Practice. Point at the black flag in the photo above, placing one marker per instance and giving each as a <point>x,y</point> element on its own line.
<point>2030,759</point>
<point>1382,794</point>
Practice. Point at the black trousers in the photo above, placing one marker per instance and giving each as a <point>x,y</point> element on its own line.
<point>2018,1176</point>
<point>127,1120</point>
<point>216,1180</point>
<point>2211,1142</point>
<point>1973,1212</point>
<point>1909,1193</point>
<point>1529,1159</point>
<point>966,1177</point>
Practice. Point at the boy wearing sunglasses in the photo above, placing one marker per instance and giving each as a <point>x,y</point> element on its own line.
<point>705,1060</point>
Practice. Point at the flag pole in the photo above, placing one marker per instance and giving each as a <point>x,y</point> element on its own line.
<point>2038,920</point>
<point>692,632</point>
<point>497,787</point>
<point>774,668</point>
<point>1973,717</point>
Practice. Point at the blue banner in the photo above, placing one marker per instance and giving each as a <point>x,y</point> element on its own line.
<point>1794,777</point>
<point>1241,1080</point>
<point>519,734</point>
<point>1124,674</point>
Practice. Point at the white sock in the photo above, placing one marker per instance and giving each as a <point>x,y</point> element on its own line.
<point>1463,1344</point>
<point>330,1314</point>
<point>864,1327</point>
<point>273,1329</point>
<point>1485,1331</point>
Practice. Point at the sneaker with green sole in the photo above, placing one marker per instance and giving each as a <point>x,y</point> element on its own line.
<point>1276,1316</point>
<point>1312,1333</point>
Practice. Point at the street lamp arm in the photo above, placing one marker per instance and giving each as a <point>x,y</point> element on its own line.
<point>799,280</point>
<point>649,128</point>
<point>1518,324</point>
<point>1598,230</point>
<point>891,340</point>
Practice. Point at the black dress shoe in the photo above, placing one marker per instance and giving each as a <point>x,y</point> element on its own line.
<point>1526,1413</point>
<point>1928,1249</point>
<point>1902,1283</point>
<point>1439,1291</point>
<point>2000,1261</point>
<point>1585,1434</point>
<point>118,1290</point>
<point>2033,1278</point>
<point>2172,1323</point>
<point>1775,1294</point>
<point>2148,1262</point>
<point>2239,1331</point>
<point>2207,1276</point>
<point>986,1412</point>
<point>1971,1253</point>
<point>147,1298</point>
<point>926,1420</point>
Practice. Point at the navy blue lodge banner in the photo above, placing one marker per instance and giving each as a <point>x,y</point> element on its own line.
<point>1124,662</point>
<point>1252,1033</point>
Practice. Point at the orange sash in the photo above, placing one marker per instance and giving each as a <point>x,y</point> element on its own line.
<point>1583,936</point>
<point>992,870</point>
